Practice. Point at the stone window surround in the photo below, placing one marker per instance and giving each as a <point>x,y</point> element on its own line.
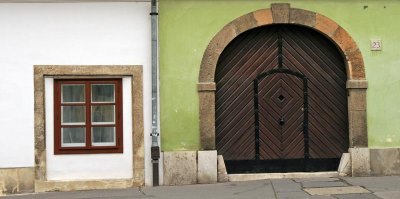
<point>283,14</point>
<point>87,71</point>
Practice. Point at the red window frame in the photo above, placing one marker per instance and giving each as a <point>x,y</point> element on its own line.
<point>88,148</point>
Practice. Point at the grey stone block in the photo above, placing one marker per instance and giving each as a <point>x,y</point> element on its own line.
<point>180,167</point>
<point>345,166</point>
<point>357,99</point>
<point>358,128</point>
<point>207,167</point>
<point>360,161</point>
<point>385,161</point>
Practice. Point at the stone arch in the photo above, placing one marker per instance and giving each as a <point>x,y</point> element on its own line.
<point>283,14</point>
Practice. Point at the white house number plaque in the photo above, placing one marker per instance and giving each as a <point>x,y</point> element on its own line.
<point>376,44</point>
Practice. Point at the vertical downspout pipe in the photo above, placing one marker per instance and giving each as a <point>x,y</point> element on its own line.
<point>155,148</point>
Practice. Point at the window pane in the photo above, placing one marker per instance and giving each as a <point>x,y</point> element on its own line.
<point>73,93</point>
<point>73,136</point>
<point>73,114</point>
<point>103,93</point>
<point>103,136</point>
<point>103,114</point>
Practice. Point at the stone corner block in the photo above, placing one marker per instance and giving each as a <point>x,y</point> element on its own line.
<point>180,167</point>
<point>360,162</point>
<point>207,167</point>
<point>1,188</point>
<point>344,166</point>
<point>222,173</point>
<point>40,186</point>
<point>16,180</point>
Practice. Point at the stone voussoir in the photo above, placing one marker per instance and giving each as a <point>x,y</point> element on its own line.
<point>263,17</point>
<point>302,17</point>
<point>280,12</point>
<point>325,25</point>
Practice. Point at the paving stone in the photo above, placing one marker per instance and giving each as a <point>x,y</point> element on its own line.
<point>316,179</point>
<point>357,196</point>
<point>376,184</point>
<point>323,184</point>
<point>290,195</point>
<point>286,185</point>
<point>300,195</point>
<point>336,190</point>
<point>320,197</point>
<point>389,194</point>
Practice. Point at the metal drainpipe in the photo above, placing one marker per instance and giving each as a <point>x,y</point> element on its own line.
<point>155,148</point>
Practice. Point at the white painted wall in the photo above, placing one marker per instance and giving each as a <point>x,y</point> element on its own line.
<point>89,166</point>
<point>70,34</point>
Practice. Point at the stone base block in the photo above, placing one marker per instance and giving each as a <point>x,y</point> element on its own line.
<point>385,161</point>
<point>207,167</point>
<point>344,166</point>
<point>16,180</point>
<point>45,186</point>
<point>360,161</point>
<point>180,167</point>
<point>222,173</point>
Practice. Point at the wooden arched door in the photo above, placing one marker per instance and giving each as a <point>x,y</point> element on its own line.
<point>275,139</point>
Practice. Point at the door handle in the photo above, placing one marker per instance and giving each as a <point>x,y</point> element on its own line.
<point>281,121</point>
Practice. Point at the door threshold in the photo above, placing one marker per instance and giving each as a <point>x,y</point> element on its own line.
<point>265,176</point>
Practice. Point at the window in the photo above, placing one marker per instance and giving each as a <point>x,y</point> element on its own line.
<point>88,116</point>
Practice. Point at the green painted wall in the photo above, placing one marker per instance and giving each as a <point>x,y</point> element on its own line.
<point>186,28</point>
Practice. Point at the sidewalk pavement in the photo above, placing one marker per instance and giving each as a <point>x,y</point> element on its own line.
<point>387,187</point>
